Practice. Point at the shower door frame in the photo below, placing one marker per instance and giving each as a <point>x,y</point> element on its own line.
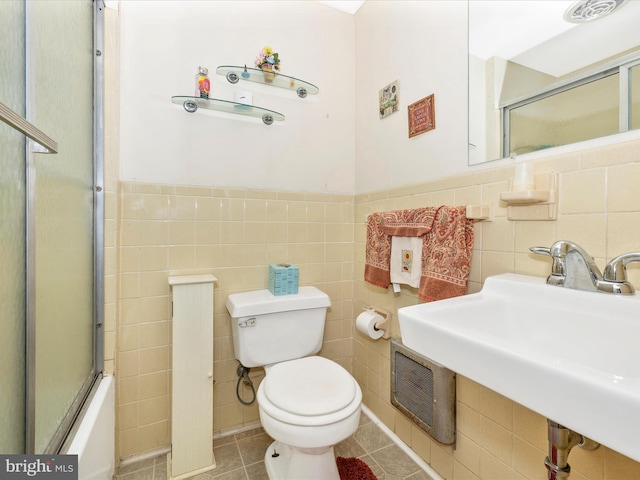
<point>66,426</point>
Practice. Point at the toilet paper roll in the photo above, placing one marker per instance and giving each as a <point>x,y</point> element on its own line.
<point>366,322</point>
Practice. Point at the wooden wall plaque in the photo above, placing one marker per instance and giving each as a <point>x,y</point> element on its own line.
<point>422,116</point>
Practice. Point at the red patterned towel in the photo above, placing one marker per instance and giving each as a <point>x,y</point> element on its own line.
<point>446,251</point>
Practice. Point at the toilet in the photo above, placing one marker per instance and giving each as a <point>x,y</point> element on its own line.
<point>307,403</point>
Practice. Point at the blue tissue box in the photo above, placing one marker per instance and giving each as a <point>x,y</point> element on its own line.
<point>283,279</point>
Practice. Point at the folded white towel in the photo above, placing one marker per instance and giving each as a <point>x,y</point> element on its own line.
<point>405,265</point>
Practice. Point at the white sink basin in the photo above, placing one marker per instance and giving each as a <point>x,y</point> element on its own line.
<point>571,356</point>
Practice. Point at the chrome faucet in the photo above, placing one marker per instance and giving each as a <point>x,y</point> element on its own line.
<point>573,267</point>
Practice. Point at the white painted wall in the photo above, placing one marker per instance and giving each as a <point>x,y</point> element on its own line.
<point>423,45</point>
<point>163,43</point>
<point>332,142</point>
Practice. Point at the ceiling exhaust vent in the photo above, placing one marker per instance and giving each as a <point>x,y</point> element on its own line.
<point>590,10</point>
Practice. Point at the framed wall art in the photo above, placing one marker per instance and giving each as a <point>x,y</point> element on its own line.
<point>388,99</point>
<point>422,116</point>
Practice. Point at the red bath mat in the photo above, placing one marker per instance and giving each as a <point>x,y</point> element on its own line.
<point>354,469</point>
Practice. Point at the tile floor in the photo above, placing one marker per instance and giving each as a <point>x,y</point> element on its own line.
<point>241,457</point>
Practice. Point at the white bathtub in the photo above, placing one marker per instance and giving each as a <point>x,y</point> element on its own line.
<point>94,442</point>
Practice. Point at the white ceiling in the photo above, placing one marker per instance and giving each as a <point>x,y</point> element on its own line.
<point>533,33</point>
<point>349,6</point>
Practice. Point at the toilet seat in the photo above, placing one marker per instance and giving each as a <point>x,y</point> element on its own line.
<point>309,386</point>
<point>309,391</point>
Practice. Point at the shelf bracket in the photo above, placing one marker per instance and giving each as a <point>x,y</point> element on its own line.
<point>479,213</point>
<point>232,77</point>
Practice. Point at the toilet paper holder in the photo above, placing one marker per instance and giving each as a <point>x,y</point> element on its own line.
<point>383,325</point>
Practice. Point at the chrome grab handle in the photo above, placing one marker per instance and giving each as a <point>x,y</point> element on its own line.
<point>15,121</point>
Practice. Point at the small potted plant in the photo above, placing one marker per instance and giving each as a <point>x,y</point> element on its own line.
<point>269,62</point>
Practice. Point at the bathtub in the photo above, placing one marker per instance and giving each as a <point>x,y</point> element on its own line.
<point>94,441</point>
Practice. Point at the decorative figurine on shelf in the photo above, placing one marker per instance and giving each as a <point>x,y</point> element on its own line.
<point>245,73</point>
<point>203,85</point>
<point>268,61</point>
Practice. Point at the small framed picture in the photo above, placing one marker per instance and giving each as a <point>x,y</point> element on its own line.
<point>388,99</point>
<point>422,116</point>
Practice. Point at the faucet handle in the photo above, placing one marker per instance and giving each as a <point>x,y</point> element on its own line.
<point>557,265</point>
<point>616,269</point>
<point>541,250</point>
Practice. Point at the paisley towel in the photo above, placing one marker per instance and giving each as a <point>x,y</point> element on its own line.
<point>446,248</point>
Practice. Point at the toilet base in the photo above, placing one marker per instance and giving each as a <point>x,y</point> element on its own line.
<point>293,464</point>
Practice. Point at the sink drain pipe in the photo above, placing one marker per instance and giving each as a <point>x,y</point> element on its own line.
<point>561,441</point>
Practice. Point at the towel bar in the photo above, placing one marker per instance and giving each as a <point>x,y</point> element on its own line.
<point>474,212</point>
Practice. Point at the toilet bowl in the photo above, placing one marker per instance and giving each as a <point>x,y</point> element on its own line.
<point>307,405</point>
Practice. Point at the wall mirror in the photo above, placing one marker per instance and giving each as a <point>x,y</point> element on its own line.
<point>548,73</point>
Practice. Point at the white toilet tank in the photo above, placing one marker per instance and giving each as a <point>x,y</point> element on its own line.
<point>269,328</point>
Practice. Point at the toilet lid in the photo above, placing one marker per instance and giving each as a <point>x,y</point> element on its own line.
<point>309,386</point>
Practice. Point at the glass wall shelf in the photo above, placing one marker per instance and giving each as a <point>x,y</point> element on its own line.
<point>191,104</point>
<point>234,74</point>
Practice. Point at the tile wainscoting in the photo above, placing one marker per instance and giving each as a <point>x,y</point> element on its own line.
<point>233,234</point>
<point>599,208</point>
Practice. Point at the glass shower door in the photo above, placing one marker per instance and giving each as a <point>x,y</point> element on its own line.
<point>12,232</point>
<point>49,248</point>
<point>61,59</point>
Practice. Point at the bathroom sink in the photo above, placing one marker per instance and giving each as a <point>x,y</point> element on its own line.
<point>571,356</point>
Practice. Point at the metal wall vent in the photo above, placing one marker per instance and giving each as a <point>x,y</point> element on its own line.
<point>590,10</point>
<point>424,391</point>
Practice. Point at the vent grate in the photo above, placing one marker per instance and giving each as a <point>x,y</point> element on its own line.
<point>424,391</point>
<point>414,388</point>
<point>590,10</point>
